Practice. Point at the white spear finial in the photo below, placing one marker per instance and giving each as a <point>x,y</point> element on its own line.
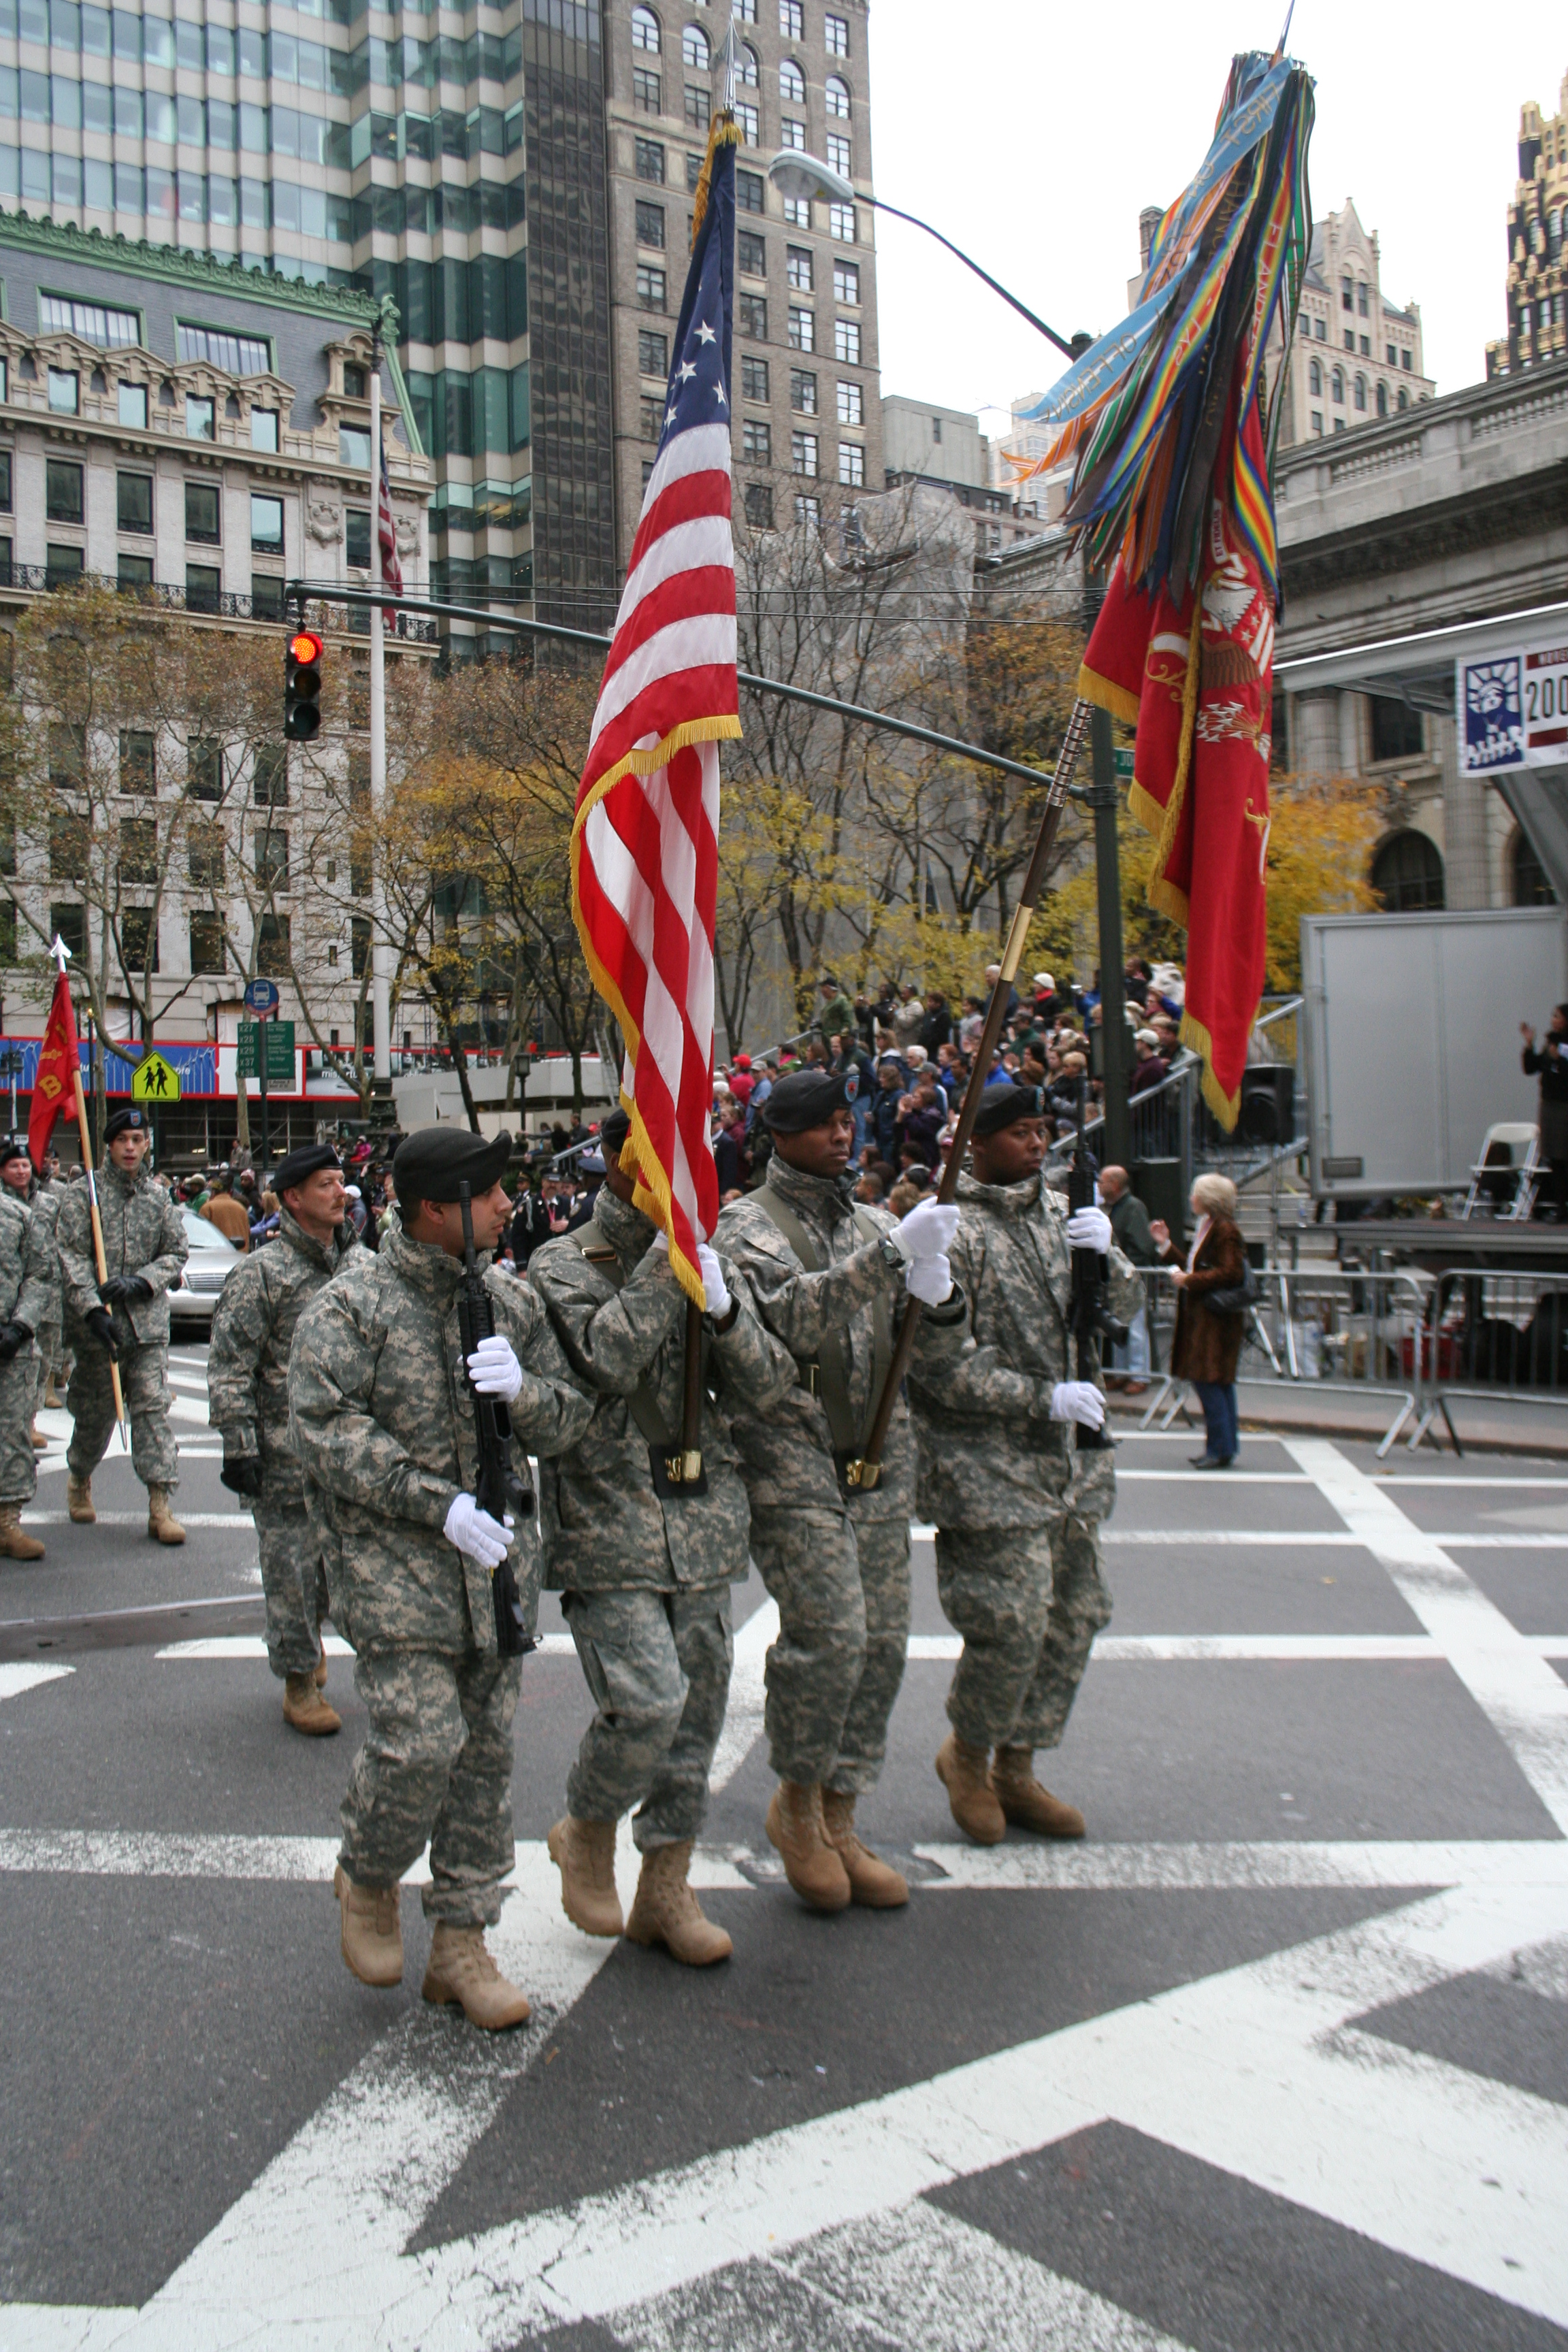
<point>60,953</point>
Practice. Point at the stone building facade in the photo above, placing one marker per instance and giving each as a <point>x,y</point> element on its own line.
<point>1536,291</point>
<point>1356,356</point>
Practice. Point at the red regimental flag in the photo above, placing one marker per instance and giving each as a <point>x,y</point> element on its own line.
<point>54,1085</point>
<point>1197,679</point>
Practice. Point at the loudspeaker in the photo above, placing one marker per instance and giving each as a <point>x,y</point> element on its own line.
<point>1268,1104</point>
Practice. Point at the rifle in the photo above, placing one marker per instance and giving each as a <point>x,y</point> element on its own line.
<point>1088,1317</point>
<point>498,1489</point>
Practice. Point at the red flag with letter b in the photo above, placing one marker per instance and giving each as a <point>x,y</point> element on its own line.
<point>54,1085</point>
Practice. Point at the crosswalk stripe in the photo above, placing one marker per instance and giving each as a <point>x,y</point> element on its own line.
<point>14,1680</point>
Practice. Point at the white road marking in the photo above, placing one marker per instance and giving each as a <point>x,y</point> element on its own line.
<point>231,1646</point>
<point>1202,1649</point>
<point>743,1714</point>
<point>1345,1862</point>
<point>284,1861</point>
<point>1439,1478</point>
<point>1540,1967</point>
<point>1232,1477</point>
<point>14,1680</point>
<point>138,1518</point>
<point>1525,1701</point>
<point>1314,1539</point>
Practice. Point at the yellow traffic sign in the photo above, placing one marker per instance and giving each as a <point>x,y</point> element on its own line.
<point>154,1080</point>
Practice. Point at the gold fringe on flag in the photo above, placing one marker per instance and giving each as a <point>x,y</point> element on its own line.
<point>725,132</point>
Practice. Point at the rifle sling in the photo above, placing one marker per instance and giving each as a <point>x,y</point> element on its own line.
<point>826,1374</point>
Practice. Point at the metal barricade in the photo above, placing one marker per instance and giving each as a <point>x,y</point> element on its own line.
<point>1328,1330</point>
<point>1495,1334</point>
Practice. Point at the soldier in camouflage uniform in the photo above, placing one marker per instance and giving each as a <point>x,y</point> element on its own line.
<point>19,1178</point>
<point>44,1197</point>
<point>382,1421</point>
<point>125,1318</point>
<point>643,1569</point>
<point>1016,1506</point>
<point>248,1400</point>
<point>828,1276</point>
<point>29,1287</point>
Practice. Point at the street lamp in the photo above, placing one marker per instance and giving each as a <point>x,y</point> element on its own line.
<point>806,176</point>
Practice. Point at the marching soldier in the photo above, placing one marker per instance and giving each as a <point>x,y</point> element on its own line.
<point>644,1568</point>
<point>124,1319</point>
<point>29,1287</point>
<point>248,1400</point>
<point>827,1276</point>
<point>382,1422</point>
<point>1016,1506</point>
<point>21,1180</point>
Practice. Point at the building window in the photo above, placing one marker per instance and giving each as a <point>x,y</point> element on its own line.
<point>272,857</point>
<point>1404,401</point>
<point>61,565</point>
<point>846,281</point>
<point>759,506</point>
<point>272,951</point>
<point>64,390</point>
<point>264,429</point>
<point>852,409</point>
<point>1391,355</point>
<point>138,769</point>
<point>62,490</point>
<point>751,253</point>
<point>647,95</point>
<point>1347,295</point>
<point>754,379</point>
<point>792,82</point>
<point>204,768</point>
<point>650,226</point>
<point>1397,732</point>
<point>1304,327</point>
<point>202,521</point>
<point>803,391</point>
<point>747,70</point>
<point>801,331</point>
<point>1318,422</point>
<point>645,30</point>
<point>797,267</point>
<point>209,953</point>
<point>1383,400</point>
<point>133,572</point>
<point>846,340</point>
<point>693,172</point>
<point>650,288</point>
<point>356,537</point>
<point>137,848</point>
<point>935,423</point>
<point>748,192</point>
<point>1366,347</point>
<point>838,153</point>
<point>750,122</point>
<point>1359,393</point>
<point>132,406</point>
<point>650,419</point>
<point>138,939</point>
<point>836,98</point>
<point>1321,329</point>
<point>1528,875</point>
<point>1360,299</point>
<point>756,443</point>
<point>199,419</point>
<point>836,34</point>
<point>1314,378</point>
<point>1407,875</point>
<point>1404,362</point>
<point>751,315</point>
<point>803,453</point>
<point>809,510</point>
<point>1350,338</point>
<point>792,23</point>
<point>269,778</point>
<point>202,588</point>
<point>650,161</point>
<point>266,526</point>
<point>797,211</point>
<point>653,353</point>
<point>1337,385</point>
<point>266,596</point>
<point>851,465</point>
<point>694,49</point>
<point>841,224</point>
<point>699,107</point>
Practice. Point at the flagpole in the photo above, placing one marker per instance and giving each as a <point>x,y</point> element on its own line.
<point>381,947</point>
<point>62,953</point>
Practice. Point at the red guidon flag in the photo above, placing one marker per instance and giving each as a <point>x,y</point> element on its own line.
<point>1197,680</point>
<point>54,1083</point>
<point>644,844</point>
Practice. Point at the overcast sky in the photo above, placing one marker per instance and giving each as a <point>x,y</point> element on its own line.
<point>1033,133</point>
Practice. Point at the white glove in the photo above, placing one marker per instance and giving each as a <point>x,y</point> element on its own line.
<point>475,1532</point>
<point>1090,1229</point>
<point>929,1279</point>
<point>1078,1401</point>
<point>928,1231</point>
<point>719,1301</point>
<point>660,1244</point>
<point>494,1370</point>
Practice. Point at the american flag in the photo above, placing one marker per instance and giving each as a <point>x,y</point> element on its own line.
<point>386,537</point>
<point>644,846</point>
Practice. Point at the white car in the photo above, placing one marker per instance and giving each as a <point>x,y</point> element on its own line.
<point>212,1260</point>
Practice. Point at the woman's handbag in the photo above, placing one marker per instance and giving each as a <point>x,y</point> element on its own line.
<point>1242,1296</point>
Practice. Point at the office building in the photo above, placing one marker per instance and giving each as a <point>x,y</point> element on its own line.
<point>1536,290</point>
<point>1356,355</point>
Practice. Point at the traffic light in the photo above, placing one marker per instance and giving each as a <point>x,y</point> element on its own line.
<point>301,687</point>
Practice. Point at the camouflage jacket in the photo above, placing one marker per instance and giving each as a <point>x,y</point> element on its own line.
<point>605,1526</point>
<point>787,1452</point>
<point>43,1203</point>
<point>990,1456</point>
<point>142,1234</point>
<point>381,1418</point>
<point>253,1331</point>
<point>29,1277</point>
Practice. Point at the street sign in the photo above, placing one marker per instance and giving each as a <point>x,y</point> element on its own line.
<point>157,1080</point>
<point>1124,763</point>
<point>279,1051</point>
<point>261,995</point>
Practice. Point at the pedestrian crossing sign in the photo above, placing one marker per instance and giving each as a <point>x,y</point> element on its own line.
<point>155,1080</point>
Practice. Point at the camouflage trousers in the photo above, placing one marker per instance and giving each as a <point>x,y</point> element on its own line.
<point>89,1401</point>
<point>437,1765</point>
<point>658,1664</point>
<point>1028,1602</point>
<point>294,1584</point>
<point>842,1585</point>
<point>18,1463</point>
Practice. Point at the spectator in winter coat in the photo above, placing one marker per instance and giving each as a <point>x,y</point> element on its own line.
<point>937,1027</point>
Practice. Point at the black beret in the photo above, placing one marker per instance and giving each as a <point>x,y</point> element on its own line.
<point>431,1164</point>
<point>808,1099</point>
<point>305,1160</point>
<point>125,1117</point>
<point>1002,1106</point>
<point>613,1133</point>
<point>15,1147</point>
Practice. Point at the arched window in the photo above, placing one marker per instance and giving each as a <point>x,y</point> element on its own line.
<point>1337,385</point>
<point>1527,875</point>
<point>1407,875</point>
<point>1404,397</point>
<point>1383,400</point>
<point>645,30</point>
<point>792,82</point>
<point>1315,381</point>
<point>1360,392</point>
<point>694,48</point>
<point>746,65</point>
<point>836,95</point>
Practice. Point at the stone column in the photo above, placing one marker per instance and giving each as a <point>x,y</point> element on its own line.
<point>1315,733</point>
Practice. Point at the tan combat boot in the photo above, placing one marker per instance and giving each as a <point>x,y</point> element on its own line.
<point>873,1881</point>
<point>78,1501</point>
<point>40,1442</point>
<point>962,1770</point>
<point>16,1543</point>
<point>306,1710</point>
<point>161,1520</point>
<point>53,1400</point>
<point>667,1912</point>
<point>371,1930</point>
<point>585,1854</point>
<point>813,1868</point>
<point>461,1969</point>
<point>1027,1805</point>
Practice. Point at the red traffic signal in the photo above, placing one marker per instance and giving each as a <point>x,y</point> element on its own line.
<point>304,646</point>
<point>301,687</point>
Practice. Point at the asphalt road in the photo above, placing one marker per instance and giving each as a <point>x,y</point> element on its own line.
<point>1276,2058</point>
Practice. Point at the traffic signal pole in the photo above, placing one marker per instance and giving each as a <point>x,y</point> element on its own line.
<point>381,946</point>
